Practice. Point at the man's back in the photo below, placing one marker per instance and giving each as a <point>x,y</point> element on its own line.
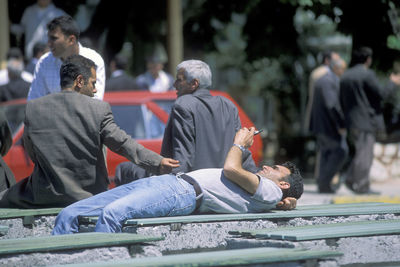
<point>200,131</point>
<point>62,137</point>
<point>326,116</point>
<point>360,98</point>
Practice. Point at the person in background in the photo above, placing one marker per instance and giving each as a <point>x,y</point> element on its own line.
<point>317,73</point>
<point>155,79</point>
<point>64,136</point>
<point>39,49</point>
<point>63,41</point>
<point>14,53</point>
<point>16,87</point>
<point>230,189</point>
<point>33,24</point>
<point>119,79</point>
<point>361,97</point>
<point>327,124</point>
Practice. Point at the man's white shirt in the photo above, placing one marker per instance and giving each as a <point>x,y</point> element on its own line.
<point>46,78</point>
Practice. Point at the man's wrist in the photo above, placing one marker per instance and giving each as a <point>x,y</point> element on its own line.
<point>242,148</point>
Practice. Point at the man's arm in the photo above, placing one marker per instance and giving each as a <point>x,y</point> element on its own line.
<point>233,169</point>
<point>38,86</point>
<point>121,143</point>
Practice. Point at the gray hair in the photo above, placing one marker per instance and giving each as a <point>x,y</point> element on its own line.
<point>15,67</point>
<point>196,69</point>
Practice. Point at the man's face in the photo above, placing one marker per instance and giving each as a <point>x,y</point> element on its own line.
<point>181,85</point>
<point>274,173</point>
<point>59,44</point>
<point>154,68</point>
<point>89,88</point>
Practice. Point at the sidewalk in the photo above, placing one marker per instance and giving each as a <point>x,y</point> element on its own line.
<point>389,192</point>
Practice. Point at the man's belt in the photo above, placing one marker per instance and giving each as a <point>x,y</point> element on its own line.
<point>196,186</point>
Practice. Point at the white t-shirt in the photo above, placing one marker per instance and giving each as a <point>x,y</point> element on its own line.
<point>47,74</point>
<point>220,195</point>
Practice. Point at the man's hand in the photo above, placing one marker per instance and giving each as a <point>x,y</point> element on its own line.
<point>167,165</point>
<point>244,137</point>
<point>288,203</point>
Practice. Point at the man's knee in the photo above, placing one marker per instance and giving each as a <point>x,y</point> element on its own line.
<point>127,172</point>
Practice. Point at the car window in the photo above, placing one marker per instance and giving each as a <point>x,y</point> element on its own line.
<point>15,116</point>
<point>130,119</point>
<point>166,105</point>
<point>138,121</point>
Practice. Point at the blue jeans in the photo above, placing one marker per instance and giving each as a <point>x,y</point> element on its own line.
<point>156,196</point>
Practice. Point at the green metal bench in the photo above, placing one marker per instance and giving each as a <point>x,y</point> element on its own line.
<point>224,258</point>
<point>72,241</point>
<point>27,215</point>
<point>325,231</point>
<point>300,212</point>
<point>3,229</point>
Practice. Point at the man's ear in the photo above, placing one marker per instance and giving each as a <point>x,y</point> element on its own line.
<point>71,39</point>
<point>79,82</point>
<point>195,84</point>
<point>284,185</point>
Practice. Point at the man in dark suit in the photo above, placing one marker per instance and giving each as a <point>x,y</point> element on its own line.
<point>120,80</point>
<point>361,98</point>
<point>327,124</point>
<point>64,135</point>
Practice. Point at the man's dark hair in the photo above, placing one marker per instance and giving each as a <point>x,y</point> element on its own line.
<point>72,67</point>
<point>39,47</point>
<point>361,55</point>
<point>14,52</point>
<point>121,62</point>
<point>295,180</point>
<point>67,26</point>
<point>327,54</point>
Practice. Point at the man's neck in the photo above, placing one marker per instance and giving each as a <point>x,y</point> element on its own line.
<point>74,50</point>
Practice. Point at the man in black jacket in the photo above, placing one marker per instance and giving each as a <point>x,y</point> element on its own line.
<point>361,98</point>
<point>327,123</point>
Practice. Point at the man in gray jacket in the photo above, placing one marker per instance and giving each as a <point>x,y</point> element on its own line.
<point>200,129</point>
<point>64,135</point>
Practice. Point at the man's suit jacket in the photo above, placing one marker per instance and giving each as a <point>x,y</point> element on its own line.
<point>122,82</point>
<point>326,115</point>
<point>14,89</point>
<point>7,178</point>
<point>361,99</point>
<point>64,135</point>
<point>200,132</point>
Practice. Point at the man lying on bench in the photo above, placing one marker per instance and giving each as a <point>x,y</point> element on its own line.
<point>231,190</point>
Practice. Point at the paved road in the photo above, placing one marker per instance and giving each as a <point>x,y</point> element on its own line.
<point>388,189</point>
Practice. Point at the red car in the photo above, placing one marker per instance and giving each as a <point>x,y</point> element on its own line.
<point>141,114</point>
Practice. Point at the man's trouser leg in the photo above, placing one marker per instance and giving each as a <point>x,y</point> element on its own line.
<point>127,172</point>
<point>333,156</point>
<point>357,176</point>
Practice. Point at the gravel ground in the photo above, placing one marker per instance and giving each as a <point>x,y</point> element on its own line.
<point>214,236</point>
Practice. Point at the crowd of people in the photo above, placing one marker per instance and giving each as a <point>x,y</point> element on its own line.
<point>34,27</point>
<point>346,117</point>
<point>67,126</point>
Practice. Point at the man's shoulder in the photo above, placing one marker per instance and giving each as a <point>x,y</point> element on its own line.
<point>191,101</point>
<point>92,55</point>
<point>47,60</point>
